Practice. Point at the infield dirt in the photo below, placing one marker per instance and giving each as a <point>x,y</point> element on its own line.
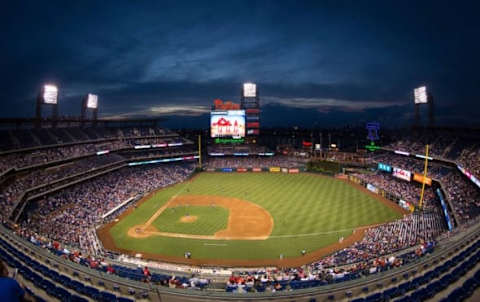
<point>246,220</point>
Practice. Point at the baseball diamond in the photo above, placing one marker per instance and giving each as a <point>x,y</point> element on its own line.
<point>248,219</point>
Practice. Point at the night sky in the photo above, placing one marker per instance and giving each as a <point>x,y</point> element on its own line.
<point>319,63</point>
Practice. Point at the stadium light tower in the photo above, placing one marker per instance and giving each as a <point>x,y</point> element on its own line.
<point>89,103</point>
<point>48,95</point>
<point>422,96</point>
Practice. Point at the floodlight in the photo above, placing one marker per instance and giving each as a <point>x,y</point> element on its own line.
<point>50,94</point>
<point>249,90</point>
<point>92,101</point>
<point>420,95</point>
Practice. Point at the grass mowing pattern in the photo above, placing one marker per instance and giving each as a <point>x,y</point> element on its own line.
<point>209,220</point>
<point>320,209</point>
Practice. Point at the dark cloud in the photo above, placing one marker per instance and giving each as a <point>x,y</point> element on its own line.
<point>346,60</point>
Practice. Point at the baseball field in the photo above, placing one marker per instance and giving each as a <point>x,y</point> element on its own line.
<point>248,219</point>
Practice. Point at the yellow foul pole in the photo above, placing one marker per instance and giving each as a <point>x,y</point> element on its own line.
<point>424,177</point>
<point>200,150</point>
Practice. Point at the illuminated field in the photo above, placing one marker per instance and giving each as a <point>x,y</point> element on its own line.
<point>308,212</point>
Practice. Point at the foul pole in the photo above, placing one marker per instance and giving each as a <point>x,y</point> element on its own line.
<point>200,150</point>
<point>424,177</point>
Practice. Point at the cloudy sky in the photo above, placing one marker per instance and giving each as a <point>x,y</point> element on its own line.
<point>321,63</point>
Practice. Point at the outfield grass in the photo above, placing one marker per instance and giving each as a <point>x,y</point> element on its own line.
<point>209,220</point>
<point>309,212</point>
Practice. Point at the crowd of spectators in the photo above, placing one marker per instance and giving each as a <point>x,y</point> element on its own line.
<point>463,195</point>
<point>81,206</point>
<point>459,146</point>
<point>251,162</point>
<point>42,156</point>
<point>105,265</point>
<point>14,188</point>
<point>402,189</point>
<point>328,270</point>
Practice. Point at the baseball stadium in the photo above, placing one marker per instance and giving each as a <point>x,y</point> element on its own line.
<point>240,151</point>
<point>127,210</point>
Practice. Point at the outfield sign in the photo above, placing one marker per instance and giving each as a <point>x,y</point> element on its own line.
<point>401,152</point>
<point>293,171</point>
<point>372,188</point>
<point>227,170</point>
<point>274,169</point>
<point>159,145</point>
<point>164,160</point>
<point>406,205</point>
<point>402,174</point>
<point>444,208</point>
<point>372,147</point>
<point>470,176</point>
<point>256,169</point>
<point>103,152</point>
<point>419,178</point>
<point>241,170</point>
<point>423,156</point>
<point>384,167</point>
<point>219,140</point>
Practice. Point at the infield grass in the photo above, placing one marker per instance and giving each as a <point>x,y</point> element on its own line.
<point>209,220</point>
<point>309,212</point>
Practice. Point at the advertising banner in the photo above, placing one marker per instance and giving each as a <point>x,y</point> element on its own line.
<point>241,170</point>
<point>293,171</point>
<point>284,170</point>
<point>402,174</point>
<point>372,188</point>
<point>384,167</point>
<point>227,170</point>
<point>445,211</point>
<point>419,178</point>
<point>256,169</point>
<point>274,169</point>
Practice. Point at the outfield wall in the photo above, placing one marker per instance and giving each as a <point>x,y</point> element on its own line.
<point>258,169</point>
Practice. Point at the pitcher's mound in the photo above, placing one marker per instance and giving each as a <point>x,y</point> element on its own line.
<point>188,219</point>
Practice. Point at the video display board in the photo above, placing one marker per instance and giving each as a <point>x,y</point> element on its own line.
<point>229,123</point>
<point>402,174</point>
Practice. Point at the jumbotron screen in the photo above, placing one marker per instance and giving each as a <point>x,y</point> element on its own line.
<point>230,123</point>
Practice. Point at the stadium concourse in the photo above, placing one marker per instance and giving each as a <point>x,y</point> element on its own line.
<point>58,185</point>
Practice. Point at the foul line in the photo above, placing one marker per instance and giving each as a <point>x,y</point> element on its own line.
<point>160,211</point>
<point>215,244</point>
<point>311,234</point>
<point>324,233</point>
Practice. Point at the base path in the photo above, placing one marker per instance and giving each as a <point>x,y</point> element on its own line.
<point>246,220</point>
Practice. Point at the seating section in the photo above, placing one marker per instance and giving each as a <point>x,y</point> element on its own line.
<point>432,282</point>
